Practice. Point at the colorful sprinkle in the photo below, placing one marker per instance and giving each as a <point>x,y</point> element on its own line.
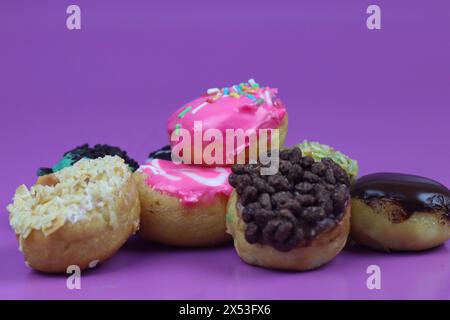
<point>213,90</point>
<point>251,97</point>
<point>260,101</point>
<point>199,107</point>
<point>268,97</point>
<point>251,82</point>
<point>182,113</point>
<point>234,95</point>
<point>226,91</point>
<point>177,129</point>
<point>237,89</point>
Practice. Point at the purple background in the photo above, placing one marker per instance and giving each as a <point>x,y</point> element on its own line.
<point>380,96</point>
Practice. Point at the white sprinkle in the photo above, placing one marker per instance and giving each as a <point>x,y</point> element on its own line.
<point>213,90</point>
<point>199,107</point>
<point>268,98</point>
<point>251,81</point>
<point>93,264</point>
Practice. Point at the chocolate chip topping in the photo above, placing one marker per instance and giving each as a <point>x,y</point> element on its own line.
<point>165,153</point>
<point>293,206</point>
<point>98,151</point>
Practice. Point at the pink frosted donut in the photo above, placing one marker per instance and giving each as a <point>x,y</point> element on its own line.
<point>246,106</point>
<point>183,205</point>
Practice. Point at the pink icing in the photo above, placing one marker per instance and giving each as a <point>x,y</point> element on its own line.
<point>221,111</point>
<point>191,184</point>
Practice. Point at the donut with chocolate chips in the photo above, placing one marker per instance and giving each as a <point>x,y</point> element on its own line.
<point>296,219</point>
<point>394,211</point>
<point>85,151</point>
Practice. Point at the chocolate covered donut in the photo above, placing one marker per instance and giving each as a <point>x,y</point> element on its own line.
<point>400,212</point>
<point>297,219</point>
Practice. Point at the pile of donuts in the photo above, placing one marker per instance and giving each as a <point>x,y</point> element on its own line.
<point>84,208</point>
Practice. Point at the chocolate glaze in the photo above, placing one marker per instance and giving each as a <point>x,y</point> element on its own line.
<point>412,193</point>
<point>164,153</point>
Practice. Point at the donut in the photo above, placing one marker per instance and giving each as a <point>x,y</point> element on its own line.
<point>318,151</point>
<point>79,215</point>
<point>244,108</point>
<point>182,205</point>
<point>297,219</point>
<point>84,151</point>
<point>395,211</point>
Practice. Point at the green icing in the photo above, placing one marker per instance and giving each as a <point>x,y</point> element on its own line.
<point>229,216</point>
<point>65,162</point>
<point>319,151</point>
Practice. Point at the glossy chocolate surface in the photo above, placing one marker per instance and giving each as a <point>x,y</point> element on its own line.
<point>412,193</point>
